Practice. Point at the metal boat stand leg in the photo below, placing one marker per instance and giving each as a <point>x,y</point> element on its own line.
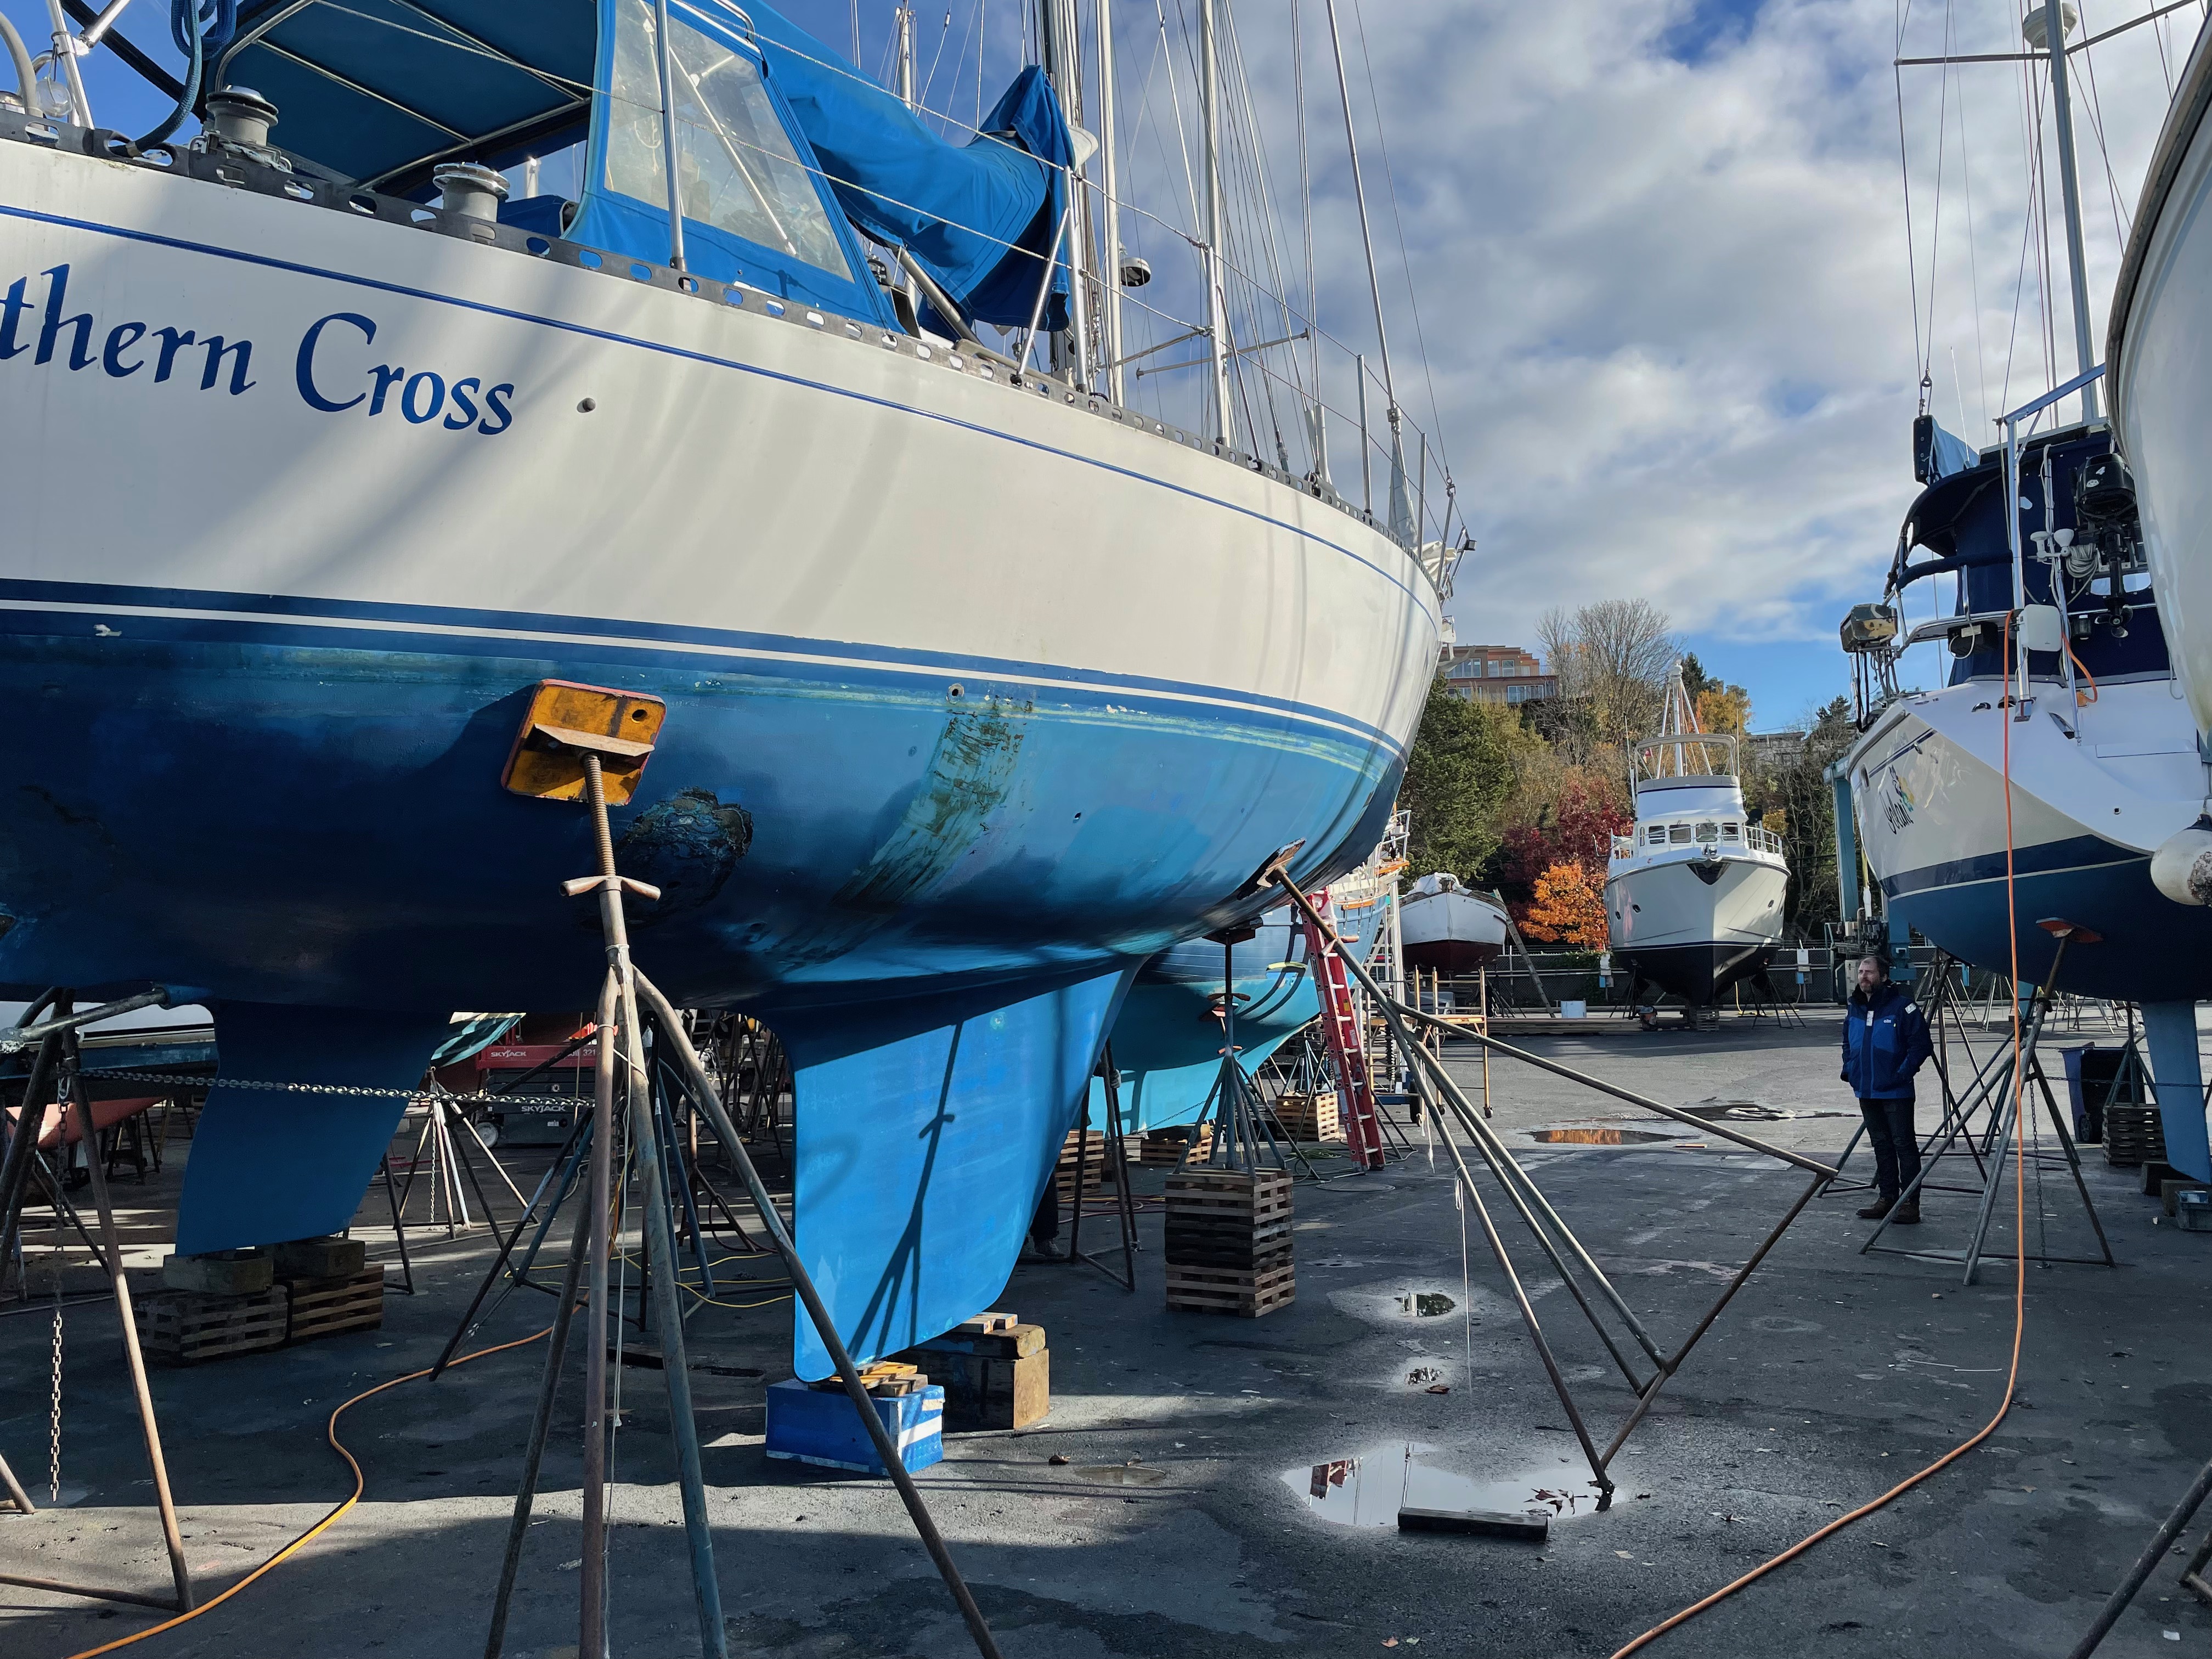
<point>541,1425</point>
<point>593,1589</point>
<point>703,1098</point>
<point>15,1169</point>
<point>79,1100</point>
<point>2002,1123</point>
<point>2073,1162</point>
<point>398,1228</point>
<point>1673,1362</point>
<point>1603,1481</point>
<point>563,1166</point>
<point>1125,1201</point>
<point>668,1320</point>
<point>16,1495</point>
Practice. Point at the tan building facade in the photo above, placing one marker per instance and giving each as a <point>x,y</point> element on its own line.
<point>1496,673</point>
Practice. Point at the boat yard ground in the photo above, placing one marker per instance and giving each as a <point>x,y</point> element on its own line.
<point>1171,1528</point>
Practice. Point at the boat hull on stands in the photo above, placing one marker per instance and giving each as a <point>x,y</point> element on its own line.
<point>1928,784</point>
<point>1452,932</point>
<point>1693,926</point>
<point>1167,1038</point>
<point>2160,353</point>
<point>955,738</point>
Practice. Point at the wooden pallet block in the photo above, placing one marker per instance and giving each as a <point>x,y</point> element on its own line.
<point>2133,1135</point>
<point>1163,1149</point>
<point>325,1307</point>
<point>1242,1293</point>
<point>1257,1198</point>
<point>1211,1248</point>
<point>1309,1117</point>
<point>184,1328</point>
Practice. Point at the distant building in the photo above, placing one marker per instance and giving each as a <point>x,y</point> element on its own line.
<point>1496,673</point>
<point>1771,752</point>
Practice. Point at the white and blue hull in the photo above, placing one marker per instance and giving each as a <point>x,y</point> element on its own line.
<point>1928,783</point>
<point>2160,358</point>
<point>1015,693</point>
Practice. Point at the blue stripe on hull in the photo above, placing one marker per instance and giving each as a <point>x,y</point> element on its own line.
<point>2152,950</point>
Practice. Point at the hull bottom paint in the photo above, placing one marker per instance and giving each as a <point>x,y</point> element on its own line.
<point>921,1154</point>
<point>2151,949</point>
<point>1452,956</point>
<point>1696,973</point>
<point>937,901</point>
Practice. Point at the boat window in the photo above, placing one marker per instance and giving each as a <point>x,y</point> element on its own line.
<point>1729,832</point>
<point>1657,836</point>
<point>1708,832</point>
<point>1678,833</point>
<point>736,164</point>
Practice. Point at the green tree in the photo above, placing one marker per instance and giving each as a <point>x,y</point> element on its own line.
<point>1461,773</point>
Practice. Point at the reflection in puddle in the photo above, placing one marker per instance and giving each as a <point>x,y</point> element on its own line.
<point>1597,1137</point>
<point>1120,1474</point>
<point>1426,1304</point>
<point>1369,1491</point>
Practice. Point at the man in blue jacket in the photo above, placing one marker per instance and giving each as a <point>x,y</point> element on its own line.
<point>1885,1042</point>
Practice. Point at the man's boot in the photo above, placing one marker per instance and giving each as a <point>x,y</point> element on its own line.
<point>1879,1208</point>
<point>1908,1215</point>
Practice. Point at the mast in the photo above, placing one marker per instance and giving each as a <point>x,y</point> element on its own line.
<point>1109,240</point>
<point>2051,20</point>
<point>1217,303</point>
<point>1398,507</point>
<point>1061,39</point>
<point>906,96</point>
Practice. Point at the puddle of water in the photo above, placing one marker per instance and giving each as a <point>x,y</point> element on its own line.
<point>1597,1137</point>
<point>1370,1490</point>
<point>1426,1304</point>
<point>1120,1474</point>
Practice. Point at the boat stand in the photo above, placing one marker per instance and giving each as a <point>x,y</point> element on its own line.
<point>1117,1161</point>
<point>571,737</point>
<point>1450,1104</point>
<point>1999,1089</point>
<point>59,1058</point>
<point>442,1129</point>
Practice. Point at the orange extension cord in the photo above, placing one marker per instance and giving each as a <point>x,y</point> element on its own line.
<point>321,1527</point>
<point>2020,1252</point>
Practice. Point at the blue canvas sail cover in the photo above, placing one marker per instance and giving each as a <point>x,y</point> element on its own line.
<point>1937,453</point>
<point>980,218</point>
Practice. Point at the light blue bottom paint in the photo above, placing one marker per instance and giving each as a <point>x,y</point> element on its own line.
<point>2170,1034</point>
<point>921,1156</point>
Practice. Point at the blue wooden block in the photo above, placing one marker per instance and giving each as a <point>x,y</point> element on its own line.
<point>821,1426</point>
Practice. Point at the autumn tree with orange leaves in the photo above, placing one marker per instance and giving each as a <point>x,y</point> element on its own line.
<point>1569,908</point>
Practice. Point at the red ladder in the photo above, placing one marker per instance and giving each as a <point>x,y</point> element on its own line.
<point>1340,1021</point>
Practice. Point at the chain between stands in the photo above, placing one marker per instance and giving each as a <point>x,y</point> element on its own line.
<point>171,1080</point>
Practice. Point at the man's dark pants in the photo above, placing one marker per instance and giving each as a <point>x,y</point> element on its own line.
<point>1896,1148</point>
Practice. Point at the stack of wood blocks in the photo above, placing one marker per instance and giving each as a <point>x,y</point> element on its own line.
<point>996,1371</point>
<point>1163,1149</point>
<point>1229,1242</point>
<point>1084,1149</point>
<point>248,1302</point>
<point>886,1379</point>
<point>1310,1117</point>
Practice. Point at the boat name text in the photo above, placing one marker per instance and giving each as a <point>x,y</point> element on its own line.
<point>460,404</point>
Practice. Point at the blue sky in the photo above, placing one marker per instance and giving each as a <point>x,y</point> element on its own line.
<point>1646,265</point>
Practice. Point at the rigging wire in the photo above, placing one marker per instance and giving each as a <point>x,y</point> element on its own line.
<point>1405,256</point>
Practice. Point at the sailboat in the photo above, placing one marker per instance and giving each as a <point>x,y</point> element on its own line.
<point>2061,679</point>
<point>1693,893</point>
<point>982,687</point>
